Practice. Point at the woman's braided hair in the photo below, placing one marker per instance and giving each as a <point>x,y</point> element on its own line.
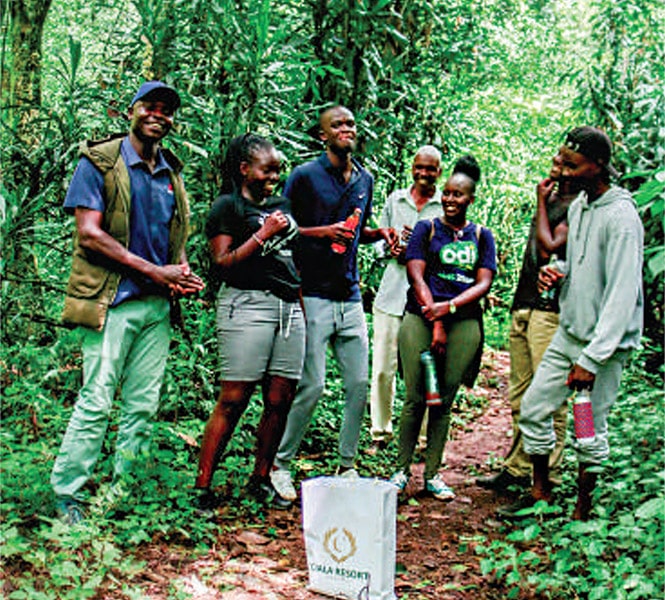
<point>242,148</point>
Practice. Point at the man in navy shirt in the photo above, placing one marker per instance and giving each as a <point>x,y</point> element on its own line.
<point>324,193</point>
<point>131,213</point>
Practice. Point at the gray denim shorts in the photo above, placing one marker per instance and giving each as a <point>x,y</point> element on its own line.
<point>258,333</point>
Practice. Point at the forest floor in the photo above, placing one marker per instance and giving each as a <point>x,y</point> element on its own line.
<point>435,540</point>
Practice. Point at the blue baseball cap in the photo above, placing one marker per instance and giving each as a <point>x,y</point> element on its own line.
<point>157,90</point>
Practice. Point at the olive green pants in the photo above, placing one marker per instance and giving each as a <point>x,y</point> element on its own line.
<point>531,332</point>
<point>415,337</point>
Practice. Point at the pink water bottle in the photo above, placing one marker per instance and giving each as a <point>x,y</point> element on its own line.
<point>585,431</point>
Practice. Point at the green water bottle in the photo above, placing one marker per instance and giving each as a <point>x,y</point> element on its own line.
<point>432,396</point>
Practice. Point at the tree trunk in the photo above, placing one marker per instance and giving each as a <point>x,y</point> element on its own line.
<point>23,25</point>
<point>21,68</point>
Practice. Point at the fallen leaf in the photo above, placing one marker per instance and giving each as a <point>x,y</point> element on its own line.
<point>252,538</point>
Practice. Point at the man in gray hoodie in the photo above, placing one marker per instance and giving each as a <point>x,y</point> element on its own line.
<point>601,314</point>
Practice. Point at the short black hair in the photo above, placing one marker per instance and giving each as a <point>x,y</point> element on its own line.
<point>329,107</point>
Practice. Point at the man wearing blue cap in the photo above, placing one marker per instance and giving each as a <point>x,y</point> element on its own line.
<point>130,206</point>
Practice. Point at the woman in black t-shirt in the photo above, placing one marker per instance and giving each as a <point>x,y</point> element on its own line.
<point>260,323</point>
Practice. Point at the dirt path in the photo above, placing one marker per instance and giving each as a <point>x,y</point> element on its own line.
<point>435,540</point>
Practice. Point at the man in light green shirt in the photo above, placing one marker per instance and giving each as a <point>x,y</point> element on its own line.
<point>402,210</point>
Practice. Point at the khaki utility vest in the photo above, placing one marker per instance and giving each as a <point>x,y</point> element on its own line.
<point>94,279</point>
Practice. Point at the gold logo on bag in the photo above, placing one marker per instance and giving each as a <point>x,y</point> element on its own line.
<point>339,544</point>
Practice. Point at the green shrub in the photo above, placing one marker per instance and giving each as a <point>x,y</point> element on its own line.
<point>620,553</point>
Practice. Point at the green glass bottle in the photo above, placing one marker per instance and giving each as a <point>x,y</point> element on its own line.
<point>432,396</point>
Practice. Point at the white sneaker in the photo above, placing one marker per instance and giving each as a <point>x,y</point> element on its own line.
<point>399,479</point>
<point>439,489</point>
<point>349,473</point>
<point>283,484</point>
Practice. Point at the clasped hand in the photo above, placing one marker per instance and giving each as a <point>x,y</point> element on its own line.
<point>439,339</point>
<point>548,277</point>
<point>398,243</point>
<point>435,310</point>
<point>339,233</point>
<point>580,379</point>
<point>274,223</point>
<point>180,279</point>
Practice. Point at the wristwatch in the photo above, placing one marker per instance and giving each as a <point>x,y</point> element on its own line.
<point>452,309</point>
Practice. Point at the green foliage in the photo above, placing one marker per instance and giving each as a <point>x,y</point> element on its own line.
<point>622,91</point>
<point>620,553</point>
<point>650,199</point>
<point>424,73</point>
<point>44,559</point>
<point>482,79</point>
<point>497,80</point>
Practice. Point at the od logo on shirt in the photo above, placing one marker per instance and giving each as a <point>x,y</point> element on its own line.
<point>462,255</point>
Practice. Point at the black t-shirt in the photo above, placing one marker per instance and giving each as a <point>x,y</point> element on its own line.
<point>526,294</point>
<point>273,270</point>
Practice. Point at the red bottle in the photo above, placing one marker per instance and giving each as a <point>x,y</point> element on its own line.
<point>351,223</point>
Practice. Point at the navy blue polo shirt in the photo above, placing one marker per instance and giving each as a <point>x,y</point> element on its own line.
<point>152,206</point>
<point>320,196</point>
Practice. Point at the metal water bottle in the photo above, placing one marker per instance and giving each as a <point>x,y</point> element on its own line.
<point>585,431</point>
<point>550,294</point>
<point>351,223</point>
<point>432,396</point>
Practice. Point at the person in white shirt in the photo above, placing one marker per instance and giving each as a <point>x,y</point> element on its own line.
<point>403,208</point>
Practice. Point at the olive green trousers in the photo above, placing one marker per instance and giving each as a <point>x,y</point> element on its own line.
<point>415,337</point>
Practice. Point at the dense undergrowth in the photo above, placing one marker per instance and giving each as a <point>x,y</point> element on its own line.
<point>619,554</point>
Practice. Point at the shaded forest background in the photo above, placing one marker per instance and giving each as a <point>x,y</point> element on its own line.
<point>501,79</point>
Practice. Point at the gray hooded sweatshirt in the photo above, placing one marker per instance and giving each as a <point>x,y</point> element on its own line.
<point>601,297</point>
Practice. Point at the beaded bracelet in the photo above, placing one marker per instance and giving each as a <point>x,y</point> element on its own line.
<point>257,239</point>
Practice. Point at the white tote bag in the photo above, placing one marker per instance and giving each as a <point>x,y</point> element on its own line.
<point>350,537</point>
